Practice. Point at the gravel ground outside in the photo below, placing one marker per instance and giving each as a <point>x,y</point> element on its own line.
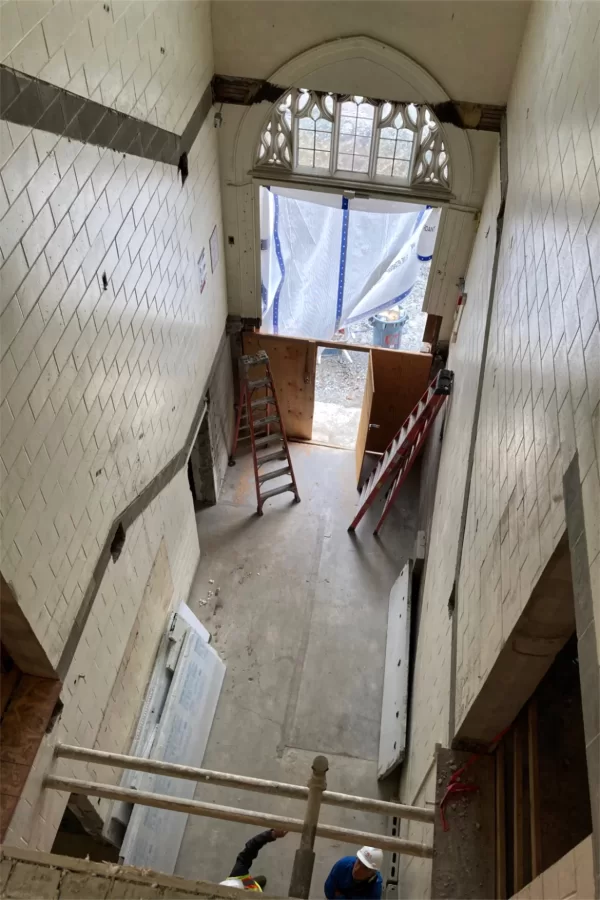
<point>340,379</point>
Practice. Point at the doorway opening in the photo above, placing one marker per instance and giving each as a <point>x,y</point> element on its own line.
<point>348,274</point>
<point>200,468</point>
<point>543,798</point>
<point>339,391</point>
<point>343,268</point>
<point>80,833</point>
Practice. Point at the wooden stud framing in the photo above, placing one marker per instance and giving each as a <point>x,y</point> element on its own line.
<point>518,829</point>
<point>500,826</point>
<point>534,789</point>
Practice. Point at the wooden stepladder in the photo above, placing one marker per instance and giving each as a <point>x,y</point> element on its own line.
<point>404,448</point>
<point>259,419</point>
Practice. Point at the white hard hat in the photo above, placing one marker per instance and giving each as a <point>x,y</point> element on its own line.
<point>232,882</point>
<point>371,857</point>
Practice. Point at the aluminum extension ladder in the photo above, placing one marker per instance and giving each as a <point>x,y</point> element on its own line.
<point>260,430</point>
<point>402,451</point>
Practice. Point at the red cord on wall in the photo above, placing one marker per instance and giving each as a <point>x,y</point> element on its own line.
<point>456,786</point>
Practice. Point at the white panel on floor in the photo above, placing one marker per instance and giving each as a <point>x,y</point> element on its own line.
<point>154,836</point>
<point>392,738</point>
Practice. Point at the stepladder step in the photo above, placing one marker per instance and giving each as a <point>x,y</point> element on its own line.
<point>258,423</point>
<point>262,401</point>
<point>278,490</point>
<point>266,431</point>
<point>268,476</point>
<point>277,454</point>
<point>266,438</point>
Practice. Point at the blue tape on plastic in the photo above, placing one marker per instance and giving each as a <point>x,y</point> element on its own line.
<point>343,253</point>
<point>425,258</point>
<point>279,255</point>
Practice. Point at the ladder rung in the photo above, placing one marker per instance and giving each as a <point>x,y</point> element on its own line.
<point>268,475</point>
<point>262,401</point>
<point>367,488</point>
<point>400,454</point>
<point>277,454</point>
<point>267,420</point>
<point>266,438</point>
<point>262,382</point>
<point>278,490</point>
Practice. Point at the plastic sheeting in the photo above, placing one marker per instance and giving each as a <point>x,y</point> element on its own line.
<point>328,261</point>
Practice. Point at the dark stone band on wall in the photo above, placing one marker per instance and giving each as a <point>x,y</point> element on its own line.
<point>29,101</point>
<point>248,91</point>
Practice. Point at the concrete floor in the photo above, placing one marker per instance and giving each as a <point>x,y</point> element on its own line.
<point>300,620</point>
<point>335,424</point>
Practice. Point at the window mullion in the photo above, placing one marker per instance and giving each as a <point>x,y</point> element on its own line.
<point>415,147</point>
<point>294,130</point>
<point>374,142</point>
<point>335,140</point>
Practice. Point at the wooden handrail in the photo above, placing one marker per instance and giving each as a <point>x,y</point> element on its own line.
<point>226,779</point>
<point>233,814</point>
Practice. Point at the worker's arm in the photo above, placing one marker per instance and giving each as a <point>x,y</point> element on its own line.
<point>332,884</point>
<point>251,850</point>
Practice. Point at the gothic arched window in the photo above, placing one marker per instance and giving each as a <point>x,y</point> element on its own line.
<point>351,137</point>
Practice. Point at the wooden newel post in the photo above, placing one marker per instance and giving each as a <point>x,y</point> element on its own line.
<point>304,859</point>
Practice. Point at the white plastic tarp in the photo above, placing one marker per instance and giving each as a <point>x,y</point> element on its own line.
<point>328,261</point>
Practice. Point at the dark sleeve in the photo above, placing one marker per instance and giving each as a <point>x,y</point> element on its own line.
<point>331,884</point>
<point>375,889</point>
<point>247,856</point>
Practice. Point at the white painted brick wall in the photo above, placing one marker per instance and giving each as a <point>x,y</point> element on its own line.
<point>541,397</point>
<point>91,677</point>
<point>149,59</point>
<point>99,388</point>
<point>430,699</point>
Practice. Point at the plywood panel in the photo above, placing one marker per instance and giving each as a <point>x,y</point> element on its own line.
<point>293,364</point>
<point>365,418</point>
<point>400,379</point>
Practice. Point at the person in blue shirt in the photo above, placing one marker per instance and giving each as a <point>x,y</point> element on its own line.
<point>357,876</point>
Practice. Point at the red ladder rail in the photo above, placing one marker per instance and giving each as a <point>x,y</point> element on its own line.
<point>403,449</point>
<point>260,432</point>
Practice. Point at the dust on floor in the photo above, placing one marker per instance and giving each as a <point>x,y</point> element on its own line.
<point>300,620</point>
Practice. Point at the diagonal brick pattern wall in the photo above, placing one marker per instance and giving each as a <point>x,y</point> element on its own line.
<point>99,385</point>
<point>542,384</point>
<point>107,341</point>
<point>90,683</point>
<point>149,60</point>
<point>541,391</point>
<point>431,696</point>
